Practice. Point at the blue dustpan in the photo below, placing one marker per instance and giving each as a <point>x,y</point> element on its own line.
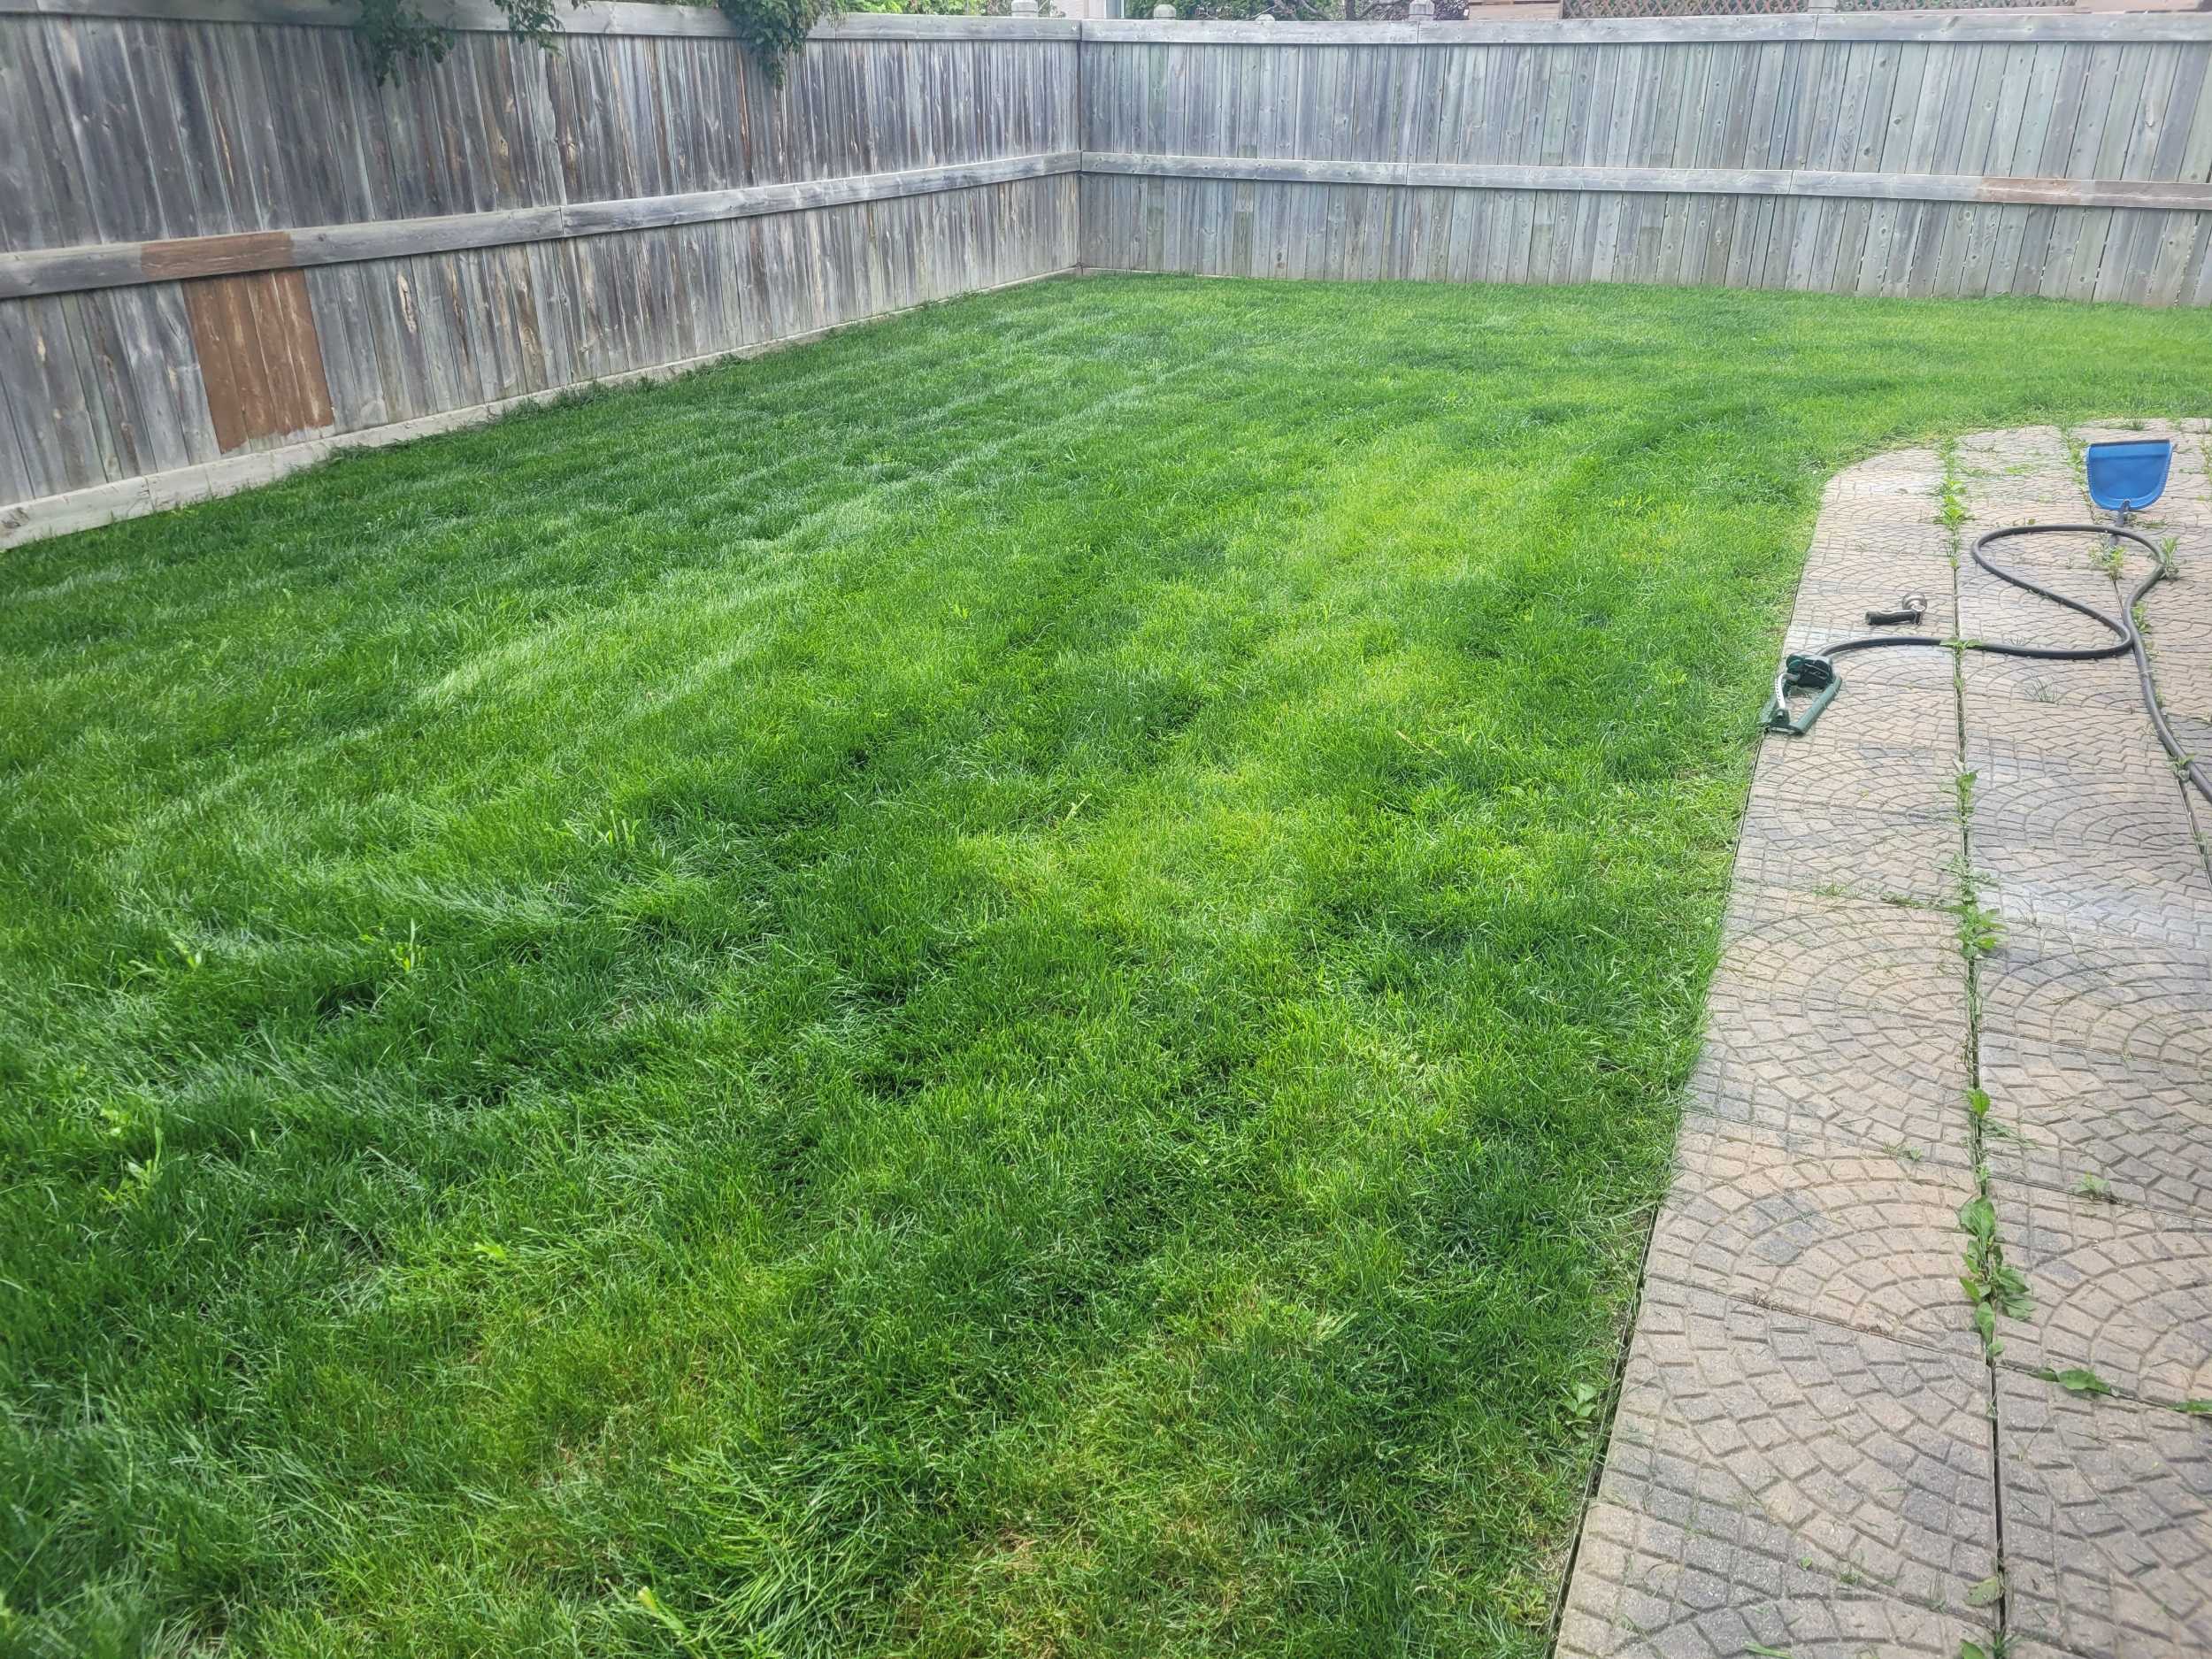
<point>2127,477</point>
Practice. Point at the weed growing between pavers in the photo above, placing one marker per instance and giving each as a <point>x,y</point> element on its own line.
<point>1011,984</point>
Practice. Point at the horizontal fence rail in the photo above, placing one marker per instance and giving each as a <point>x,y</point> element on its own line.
<point>225,251</point>
<point>1913,186</point>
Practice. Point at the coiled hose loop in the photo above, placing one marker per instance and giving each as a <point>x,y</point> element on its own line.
<point>2127,639</point>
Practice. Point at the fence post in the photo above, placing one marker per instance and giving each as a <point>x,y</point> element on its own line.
<point>1023,8</point>
<point>1420,10</point>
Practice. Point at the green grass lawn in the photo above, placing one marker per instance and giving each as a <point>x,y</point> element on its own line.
<point>1014,984</point>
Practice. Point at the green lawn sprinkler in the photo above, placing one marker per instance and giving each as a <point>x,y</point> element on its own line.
<point>1802,673</point>
<point>1816,672</point>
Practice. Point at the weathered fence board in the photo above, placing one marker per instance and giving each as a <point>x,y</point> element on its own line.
<point>225,250</point>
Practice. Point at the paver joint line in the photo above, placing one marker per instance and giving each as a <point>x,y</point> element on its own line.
<point>1811,1450</point>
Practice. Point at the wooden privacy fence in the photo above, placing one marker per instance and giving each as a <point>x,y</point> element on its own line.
<point>224,250</point>
<point>1917,154</point>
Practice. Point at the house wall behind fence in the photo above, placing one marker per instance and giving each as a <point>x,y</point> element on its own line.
<point>1929,154</point>
<point>224,250</point>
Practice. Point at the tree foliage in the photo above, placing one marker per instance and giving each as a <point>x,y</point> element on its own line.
<point>1244,11</point>
<point>774,29</point>
<point>398,34</point>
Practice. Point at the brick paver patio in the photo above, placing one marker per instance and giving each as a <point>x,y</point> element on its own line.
<point>1814,1453</point>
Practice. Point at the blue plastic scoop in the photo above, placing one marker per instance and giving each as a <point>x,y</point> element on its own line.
<point>2125,478</point>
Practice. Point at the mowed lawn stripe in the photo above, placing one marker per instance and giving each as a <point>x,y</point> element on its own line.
<point>1016,983</point>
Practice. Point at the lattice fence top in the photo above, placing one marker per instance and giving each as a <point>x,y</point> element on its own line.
<point>1762,8</point>
<point>1677,8</point>
<point>1947,5</point>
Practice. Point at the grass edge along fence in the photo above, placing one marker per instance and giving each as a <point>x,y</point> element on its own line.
<point>207,278</point>
<point>211,276</point>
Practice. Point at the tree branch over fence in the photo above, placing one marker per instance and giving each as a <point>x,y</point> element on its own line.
<point>397,34</point>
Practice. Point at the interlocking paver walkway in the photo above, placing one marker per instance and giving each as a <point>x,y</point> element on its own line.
<point>1814,1452</point>
<point>2104,1520</point>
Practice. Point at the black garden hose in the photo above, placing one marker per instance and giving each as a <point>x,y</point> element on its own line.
<point>2128,640</point>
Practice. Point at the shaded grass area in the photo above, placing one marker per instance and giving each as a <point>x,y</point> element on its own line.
<point>1012,984</point>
